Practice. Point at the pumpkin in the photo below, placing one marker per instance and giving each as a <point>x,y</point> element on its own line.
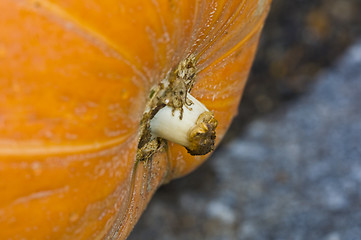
<point>75,79</point>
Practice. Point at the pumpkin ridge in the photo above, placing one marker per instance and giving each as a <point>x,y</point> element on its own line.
<point>40,150</point>
<point>195,24</point>
<point>222,29</point>
<point>85,31</point>
<point>255,30</point>
<point>38,195</point>
<point>122,220</point>
<point>209,32</point>
<point>160,15</point>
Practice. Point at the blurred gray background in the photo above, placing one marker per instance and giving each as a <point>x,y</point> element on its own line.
<point>290,166</point>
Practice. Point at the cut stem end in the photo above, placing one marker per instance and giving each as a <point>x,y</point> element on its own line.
<point>195,131</point>
<point>202,136</point>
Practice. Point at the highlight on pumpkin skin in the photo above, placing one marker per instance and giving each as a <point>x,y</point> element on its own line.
<point>195,131</point>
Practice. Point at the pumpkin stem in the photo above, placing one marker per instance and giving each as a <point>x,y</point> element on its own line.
<point>195,130</point>
<point>173,114</point>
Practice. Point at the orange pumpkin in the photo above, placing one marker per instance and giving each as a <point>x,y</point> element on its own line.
<point>75,77</point>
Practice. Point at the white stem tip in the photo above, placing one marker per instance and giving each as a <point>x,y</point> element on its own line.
<point>196,130</point>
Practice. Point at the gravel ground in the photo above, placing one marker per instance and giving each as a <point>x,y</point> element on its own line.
<point>294,174</point>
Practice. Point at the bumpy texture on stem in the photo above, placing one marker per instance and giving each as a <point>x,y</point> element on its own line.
<point>173,114</point>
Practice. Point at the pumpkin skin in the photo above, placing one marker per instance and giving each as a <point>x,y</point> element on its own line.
<point>75,78</point>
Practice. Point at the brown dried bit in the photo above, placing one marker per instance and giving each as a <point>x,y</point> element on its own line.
<point>203,135</point>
